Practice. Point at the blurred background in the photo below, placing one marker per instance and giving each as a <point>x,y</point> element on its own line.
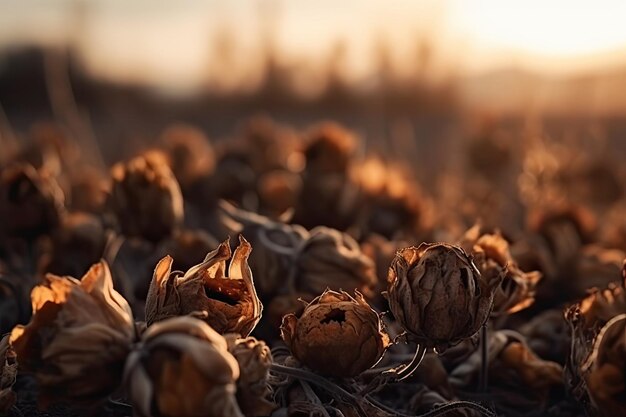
<point>415,73</point>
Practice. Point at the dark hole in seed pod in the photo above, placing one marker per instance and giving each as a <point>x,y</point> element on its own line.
<point>335,314</point>
<point>215,291</point>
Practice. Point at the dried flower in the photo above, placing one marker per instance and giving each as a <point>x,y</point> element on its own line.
<point>182,368</point>
<point>230,301</point>
<point>78,338</point>
<point>8,374</point>
<point>254,359</point>
<point>78,243</point>
<point>189,154</point>
<point>493,258</point>
<point>288,259</point>
<point>31,202</point>
<point>586,319</point>
<point>336,335</point>
<point>604,369</point>
<point>146,197</point>
<point>438,295</point>
<point>332,259</point>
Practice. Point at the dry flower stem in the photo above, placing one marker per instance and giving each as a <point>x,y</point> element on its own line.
<point>408,370</point>
<point>484,354</point>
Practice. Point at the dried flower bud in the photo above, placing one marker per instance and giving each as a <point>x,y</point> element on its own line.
<point>336,335</point>
<point>330,148</point>
<point>438,295</point>
<point>254,359</point>
<point>30,201</point>
<point>492,256</point>
<point>230,300</point>
<point>332,259</point>
<point>8,374</point>
<point>182,368</point>
<point>189,153</point>
<point>78,338</point>
<point>146,197</point>
<point>78,243</point>
<point>604,369</point>
<point>288,259</point>
<point>586,319</point>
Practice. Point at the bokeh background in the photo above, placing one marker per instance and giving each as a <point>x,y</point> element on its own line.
<point>413,78</point>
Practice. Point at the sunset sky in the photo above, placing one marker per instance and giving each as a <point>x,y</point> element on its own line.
<point>166,42</point>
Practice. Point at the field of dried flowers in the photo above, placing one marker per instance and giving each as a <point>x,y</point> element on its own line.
<point>288,273</point>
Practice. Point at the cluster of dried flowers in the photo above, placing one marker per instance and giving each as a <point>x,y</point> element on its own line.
<point>336,300</point>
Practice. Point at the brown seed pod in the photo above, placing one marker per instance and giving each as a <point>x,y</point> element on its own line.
<point>336,335</point>
<point>438,295</point>
<point>586,320</point>
<point>230,300</point>
<point>604,369</point>
<point>492,257</point>
<point>254,359</point>
<point>8,375</point>
<point>78,338</point>
<point>146,197</point>
<point>182,368</point>
<point>289,259</point>
<point>31,202</point>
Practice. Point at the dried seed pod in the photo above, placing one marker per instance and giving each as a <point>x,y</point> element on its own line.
<point>438,295</point>
<point>254,359</point>
<point>230,301</point>
<point>336,335</point>
<point>8,374</point>
<point>586,319</point>
<point>182,368</point>
<point>492,256</point>
<point>78,338</point>
<point>146,197</point>
<point>78,243</point>
<point>604,369</point>
<point>189,154</point>
<point>31,201</point>
<point>288,259</point>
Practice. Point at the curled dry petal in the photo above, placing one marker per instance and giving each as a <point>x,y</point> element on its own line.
<point>604,370</point>
<point>182,368</point>
<point>537,374</point>
<point>229,299</point>
<point>8,374</point>
<point>587,320</point>
<point>336,335</point>
<point>438,295</point>
<point>492,256</point>
<point>78,338</point>
<point>254,359</point>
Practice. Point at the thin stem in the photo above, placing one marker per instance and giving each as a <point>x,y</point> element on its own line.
<point>313,378</point>
<point>408,370</point>
<point>484,354</point>
<point>455,405</point>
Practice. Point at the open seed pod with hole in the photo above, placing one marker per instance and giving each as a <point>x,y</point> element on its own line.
<point>228,298</point>
<point>182,368</point>
<point>336,335</point>
<point>438,295</point>
<point>78,338</point>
